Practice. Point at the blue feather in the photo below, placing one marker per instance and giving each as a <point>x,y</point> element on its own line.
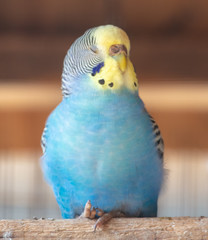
<point>100,147</point>
<point>97,68</point>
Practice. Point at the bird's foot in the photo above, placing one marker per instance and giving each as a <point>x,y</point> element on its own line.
<point>91,212</point>
<point>107,217</point>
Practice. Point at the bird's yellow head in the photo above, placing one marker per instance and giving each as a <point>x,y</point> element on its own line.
<point>103,54</point>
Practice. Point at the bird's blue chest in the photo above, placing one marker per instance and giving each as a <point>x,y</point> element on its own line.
<point>101,147</point>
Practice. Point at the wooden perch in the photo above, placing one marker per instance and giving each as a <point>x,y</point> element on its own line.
<point>119,228</point>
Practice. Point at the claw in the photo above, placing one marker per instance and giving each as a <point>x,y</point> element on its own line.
<point>102,220</point>
<point>93,213</point>
<point>87,209</point>
<point>100,212</point>
<point>107,217</point>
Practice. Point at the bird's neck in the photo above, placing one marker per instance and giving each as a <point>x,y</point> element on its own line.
<point>85,98</point>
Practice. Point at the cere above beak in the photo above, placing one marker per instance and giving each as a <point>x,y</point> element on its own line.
<point>117,49</point>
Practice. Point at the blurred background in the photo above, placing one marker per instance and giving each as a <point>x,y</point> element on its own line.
<point>170,53</point>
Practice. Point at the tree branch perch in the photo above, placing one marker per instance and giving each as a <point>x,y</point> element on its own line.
<point>118,228</point>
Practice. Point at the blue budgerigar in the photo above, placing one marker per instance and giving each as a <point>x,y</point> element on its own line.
<point>100,143</point>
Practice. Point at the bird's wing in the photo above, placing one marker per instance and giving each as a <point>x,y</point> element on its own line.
<point>159,143</point>
<point>43,138</point>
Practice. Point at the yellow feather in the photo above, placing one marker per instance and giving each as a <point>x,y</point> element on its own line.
<point>109,35</point>
<point>118,71</point>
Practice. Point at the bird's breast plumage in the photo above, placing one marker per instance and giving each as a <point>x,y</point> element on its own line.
<point>102,146</point>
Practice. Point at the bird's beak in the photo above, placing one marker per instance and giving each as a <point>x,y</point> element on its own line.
<point>122,61</point>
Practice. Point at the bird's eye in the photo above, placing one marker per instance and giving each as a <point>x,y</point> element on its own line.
<point>94,49</point>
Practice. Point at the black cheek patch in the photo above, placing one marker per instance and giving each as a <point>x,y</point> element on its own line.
<point>101,81</point>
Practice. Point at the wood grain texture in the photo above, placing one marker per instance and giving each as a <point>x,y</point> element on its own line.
<point>120,228</point>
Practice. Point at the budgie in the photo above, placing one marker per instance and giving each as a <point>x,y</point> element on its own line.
<point>100,145</point>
